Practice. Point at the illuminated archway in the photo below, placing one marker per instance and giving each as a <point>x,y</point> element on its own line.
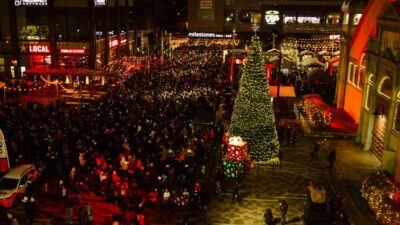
<point>385,87</point>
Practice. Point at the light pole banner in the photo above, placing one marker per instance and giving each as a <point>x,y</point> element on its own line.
<point>4,161</point>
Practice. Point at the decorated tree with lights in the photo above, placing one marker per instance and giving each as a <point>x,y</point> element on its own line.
<point>253,116</point>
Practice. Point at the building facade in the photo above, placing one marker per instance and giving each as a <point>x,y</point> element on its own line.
<point>279,17</point>
<point>64,33</point>
<point>379,128</point>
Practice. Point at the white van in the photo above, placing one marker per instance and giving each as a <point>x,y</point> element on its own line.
<point>13,185</point>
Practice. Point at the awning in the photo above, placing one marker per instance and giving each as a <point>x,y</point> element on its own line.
<point>284,91</point>
<point>307,52</point>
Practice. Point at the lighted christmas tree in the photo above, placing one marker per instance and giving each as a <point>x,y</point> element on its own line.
<point>253,116</point>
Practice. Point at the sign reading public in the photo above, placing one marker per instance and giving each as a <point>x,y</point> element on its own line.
<point>30,2</point>
<point>72,51</point>
<point>271,17</point>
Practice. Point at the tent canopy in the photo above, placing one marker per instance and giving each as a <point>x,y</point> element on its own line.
<point>318,76</point>
<point>312,62</point>
<point>307,52</point>
<point>284,91</point>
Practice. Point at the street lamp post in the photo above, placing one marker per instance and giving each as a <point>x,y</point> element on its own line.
<point>233,58</point>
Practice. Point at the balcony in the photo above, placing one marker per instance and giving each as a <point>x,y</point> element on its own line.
<point>312,28</point>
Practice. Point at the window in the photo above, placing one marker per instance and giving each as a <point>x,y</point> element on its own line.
<point>396,123</point>
<point>308,19</point>
<point>289,19</point>
<point>350,73</point>
<point>385,87</point>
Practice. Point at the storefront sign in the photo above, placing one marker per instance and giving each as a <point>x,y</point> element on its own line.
<point>271,17</point>
<point>113,43</point>
<point>72,51</point>
<point>208,35</point>
<point>100,2</point>
<point>123,41</point>
<point>39,48</point>
<point>30,2</point>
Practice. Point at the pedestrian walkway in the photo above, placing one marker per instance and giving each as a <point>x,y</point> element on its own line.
<point>288,183</point>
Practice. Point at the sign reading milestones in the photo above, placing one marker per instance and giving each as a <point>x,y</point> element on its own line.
<point>30,2</point>
<point>39,49</point>
<point>271,17</point>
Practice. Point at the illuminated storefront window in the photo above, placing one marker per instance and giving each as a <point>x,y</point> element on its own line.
<point>308,19</point>
<point>289,19</point>
<point>34,33</point>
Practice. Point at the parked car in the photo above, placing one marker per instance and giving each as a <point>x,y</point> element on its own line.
<point>14,184</point>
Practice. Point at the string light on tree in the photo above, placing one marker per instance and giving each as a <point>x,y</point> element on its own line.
<point>253,117</point>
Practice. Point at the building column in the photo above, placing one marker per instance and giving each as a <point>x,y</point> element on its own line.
<point>118,27</point>
<point>371,119</point>
<point>342,75</point>
<point>14,39</point>
<point>52,33</point>
<point>106,35</point>
<point>126,27</point>
<point>92,35</point>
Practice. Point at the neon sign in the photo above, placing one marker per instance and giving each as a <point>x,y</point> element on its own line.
<point>39,48</point>
<point>72,51</point>
<point>30,2</point>
<point>113,43</point>
<point>271,17</point>
<point>123,41</point>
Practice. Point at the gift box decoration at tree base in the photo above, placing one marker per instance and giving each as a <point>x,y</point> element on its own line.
<point>233,169</point>
<point>237,150</point>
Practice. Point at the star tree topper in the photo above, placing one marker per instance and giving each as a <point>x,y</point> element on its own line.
<point>255,27</point>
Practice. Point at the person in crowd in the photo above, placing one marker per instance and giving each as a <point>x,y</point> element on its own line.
<point>283,207</point>
<point>332,157</point>
<point>140,118</point>
<point>268,217</point>
<point>69,207</point>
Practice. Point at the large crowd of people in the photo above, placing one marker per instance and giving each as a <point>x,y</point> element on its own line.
<point>137,145</point>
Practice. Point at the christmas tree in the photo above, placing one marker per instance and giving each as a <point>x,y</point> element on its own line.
<point>253,117</point>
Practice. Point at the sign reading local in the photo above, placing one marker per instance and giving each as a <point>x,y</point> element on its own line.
<point>39,48</point>
<point>72,51</point>
<point>271,17</point>
<point>30,2</point>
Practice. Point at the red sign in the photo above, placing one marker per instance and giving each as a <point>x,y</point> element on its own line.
<point>123,41</point>
<point>39,48</point>
<point>72,51</point>
<point>113,43</point>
